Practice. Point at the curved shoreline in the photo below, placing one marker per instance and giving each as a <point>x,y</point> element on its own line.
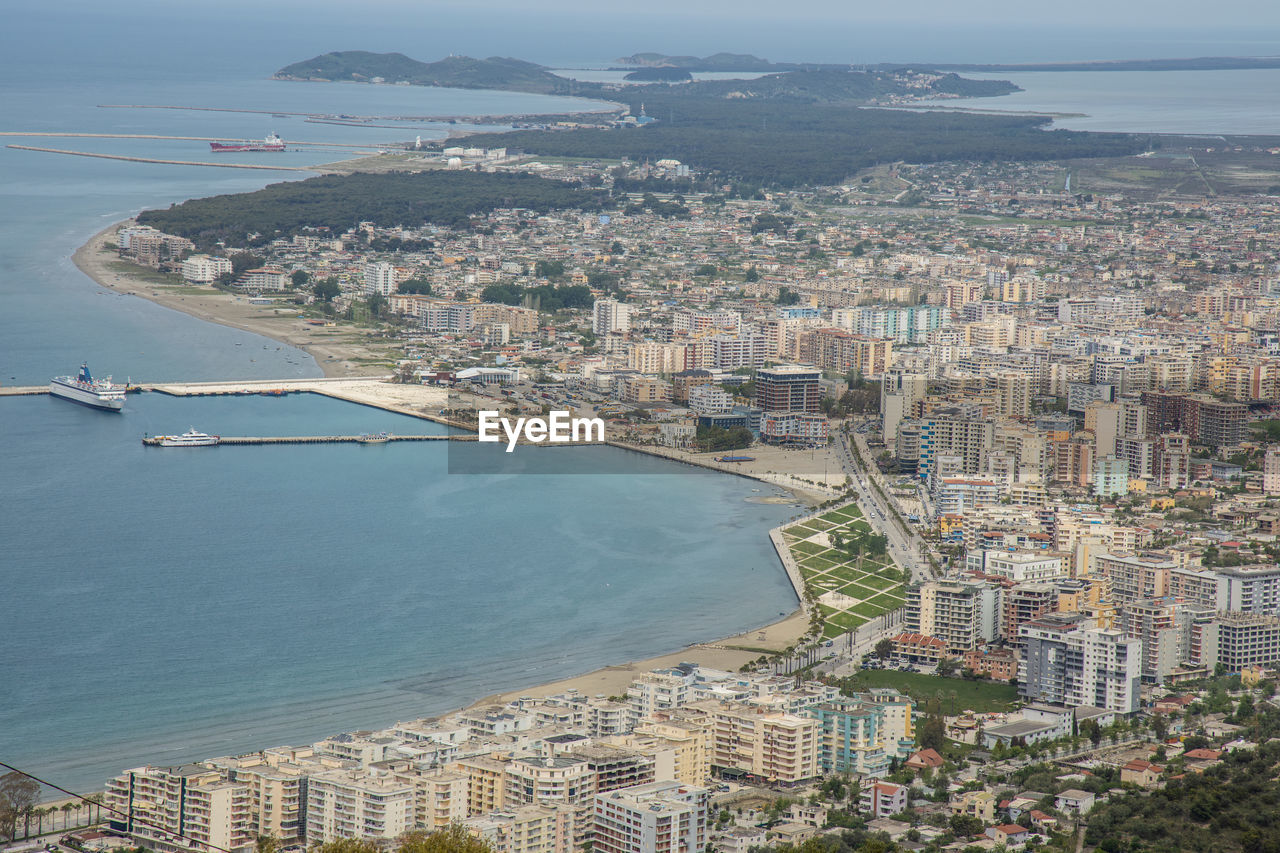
<point>728,653</point>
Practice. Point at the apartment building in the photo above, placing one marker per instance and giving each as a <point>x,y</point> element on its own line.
<point>679,749</point>
<point>1017,566</point>
<point>949,432</point>
<point>486,782</point>
<point>563,781</point>
<point>345,803</point>
<point>660,817</point>
<point>963,614</point>
<point>1240,640</point>
<point>778,747</point>
<point>840,351</point>
<point>1165,627</point>
<point>529,829</point>
<point>1204,419</point>
<point>788,388</point>
<point>191,806</point>
<point>204,269</point>
<point>1067,663</point>
<point>380,279</point>
<point>1134,577</point>
<point>901,393</point>
<point>609,317</point>
<point>277,783</point>
<point>864,734</point>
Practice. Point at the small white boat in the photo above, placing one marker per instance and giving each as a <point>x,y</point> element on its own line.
<point>190,438</point>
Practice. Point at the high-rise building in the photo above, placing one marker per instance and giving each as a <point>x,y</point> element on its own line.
<point>963,614</point>
<point>947,432</point>
<point>355,804</point>
<point>788,388</point>
<point>1066,662</point>
<point>660,817</point>
<point>863,734</point>
<point>610,316</point>
<point>183,808</point>
<point>1239,640</point>
<point>1110,477</point>
<point>1271,471</point>
<point>901,393</point>
<point>379,279</point>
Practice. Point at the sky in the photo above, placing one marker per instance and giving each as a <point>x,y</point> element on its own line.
<point>591,32</point>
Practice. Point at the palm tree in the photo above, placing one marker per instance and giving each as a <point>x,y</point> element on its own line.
<point>67,809</point>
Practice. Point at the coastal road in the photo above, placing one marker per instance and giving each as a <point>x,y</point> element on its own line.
<point>905,545</point>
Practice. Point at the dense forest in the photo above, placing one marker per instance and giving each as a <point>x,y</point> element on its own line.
<point>777,142</point>
<point>337,202</point>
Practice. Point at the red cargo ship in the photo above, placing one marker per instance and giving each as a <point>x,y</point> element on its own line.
<point>271,143</point>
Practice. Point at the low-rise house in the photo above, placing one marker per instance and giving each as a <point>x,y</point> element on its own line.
<point>979,804</point>
<point>884,799</point>
<point>1009,834</point>
<point>1141,772</point>
<point>924,759</point>
<point>1042,822</point>
<point>1074,801</point>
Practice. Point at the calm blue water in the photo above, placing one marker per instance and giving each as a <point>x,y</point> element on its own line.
<point>1195,102</point>
<point>165,605</point>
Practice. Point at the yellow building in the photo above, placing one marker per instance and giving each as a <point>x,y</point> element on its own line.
<point>979,804</point>
<point>486,782</point>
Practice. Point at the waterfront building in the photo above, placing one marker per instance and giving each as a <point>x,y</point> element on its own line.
<point>264,279</point>
<point>204,269</point>
<point>190,806</point>
<point>563,781</point>
<point>788,388</point>
<point>805,429</point>
<point>356,804</point>
<point>660,817</point>
<point>277,783</point>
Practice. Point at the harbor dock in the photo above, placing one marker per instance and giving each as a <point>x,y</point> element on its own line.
<point>154,441</point>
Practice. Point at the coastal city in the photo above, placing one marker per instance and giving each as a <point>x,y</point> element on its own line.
<point>971,412</point>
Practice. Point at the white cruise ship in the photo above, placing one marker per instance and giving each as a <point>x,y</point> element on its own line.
<point>84,389</point>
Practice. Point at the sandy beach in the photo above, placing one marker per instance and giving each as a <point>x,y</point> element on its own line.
<point>338,351</point>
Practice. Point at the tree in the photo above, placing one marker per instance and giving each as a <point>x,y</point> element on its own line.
<point>18,795</point>
<point>326,289</point>
<point>932,733</point>
<point>299,278</point>
<point>242,261</point>
<point>884,648</point>
<point>549,269</point>
<point>455,839</point>
<point>752,274</point>
<point>947,667</point>
<point>415,285</point>
<point>966,825</point>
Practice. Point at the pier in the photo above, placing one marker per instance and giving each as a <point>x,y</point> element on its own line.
<point>154,441</point>
<point>157,160</point>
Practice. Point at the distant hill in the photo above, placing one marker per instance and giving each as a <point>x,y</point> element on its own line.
<point>458,72</point>
<point>846,86</point>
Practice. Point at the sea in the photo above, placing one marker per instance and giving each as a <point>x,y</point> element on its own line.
<point>161,606</point>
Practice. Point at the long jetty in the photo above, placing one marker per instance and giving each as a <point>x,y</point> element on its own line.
<point>75,135</point>
<point>155,441</point>
<point>157,160</point>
